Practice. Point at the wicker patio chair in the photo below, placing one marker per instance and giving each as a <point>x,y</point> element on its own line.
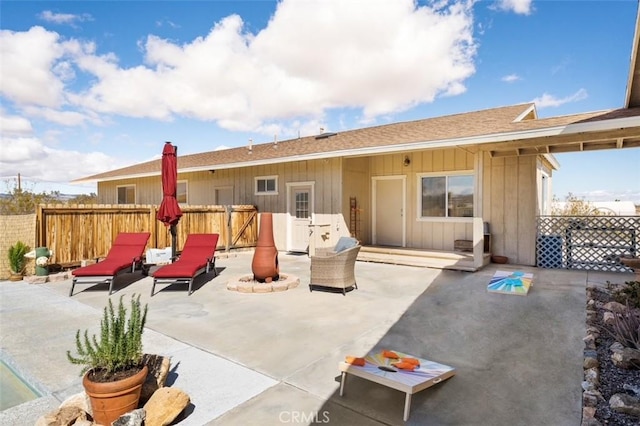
<point>334,267</point>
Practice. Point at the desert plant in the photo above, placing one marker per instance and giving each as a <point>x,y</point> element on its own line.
<point>625,328</point>
<point>17,261</point>
<point>120,345</point>
<point>629,294</point>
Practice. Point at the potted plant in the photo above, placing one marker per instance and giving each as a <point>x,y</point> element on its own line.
<point>113,363</point>
<point>17,261</point>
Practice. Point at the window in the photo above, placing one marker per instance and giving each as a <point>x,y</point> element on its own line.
<point>448,195</point>
<point>267,185</point>
<point>126,194</point>
<point>302,204</point>
<point>181,192</point>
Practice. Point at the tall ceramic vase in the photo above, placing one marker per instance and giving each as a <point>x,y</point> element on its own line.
<point>265,258</point>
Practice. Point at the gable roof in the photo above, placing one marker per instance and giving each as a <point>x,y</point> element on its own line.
<point>490,126</point>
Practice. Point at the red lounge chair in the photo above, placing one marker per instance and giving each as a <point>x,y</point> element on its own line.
<point>124,255</point>
<point>197,257</point>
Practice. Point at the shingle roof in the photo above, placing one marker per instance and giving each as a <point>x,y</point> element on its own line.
<point>451,127</point>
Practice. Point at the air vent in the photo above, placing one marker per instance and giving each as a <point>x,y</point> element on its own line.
<point>325,135</point>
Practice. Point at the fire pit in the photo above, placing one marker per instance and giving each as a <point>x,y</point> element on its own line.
<point>246,284</point>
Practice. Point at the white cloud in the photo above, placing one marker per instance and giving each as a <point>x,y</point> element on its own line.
<point>15,125</point>
<point>521,7</point>
<point>313,56</point>
<point>511,78</point>
<point>547,100</point>
<point>64,18</point>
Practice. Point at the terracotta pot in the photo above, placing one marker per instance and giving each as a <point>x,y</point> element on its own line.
<point>499,259</point>
<point>15,277</point>
<point>265,258</point>
<point>112,399</point>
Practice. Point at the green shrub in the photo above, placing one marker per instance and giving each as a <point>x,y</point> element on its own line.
<point>17,261</point>
<point>628,294</point>
<point>120,344</point>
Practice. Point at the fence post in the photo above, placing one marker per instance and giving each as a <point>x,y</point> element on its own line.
<point>227,213</point>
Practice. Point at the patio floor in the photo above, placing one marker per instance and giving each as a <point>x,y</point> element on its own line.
<point>262,359</point>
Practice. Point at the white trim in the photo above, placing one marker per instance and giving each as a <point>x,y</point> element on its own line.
<point>463,219</point>
<point>374,181</point>
<point>186,183</point>
<point>632,66</point>
<point>312,210</point>
<point>265,178</point>
<point>135,193</point>
<point>527,112</point>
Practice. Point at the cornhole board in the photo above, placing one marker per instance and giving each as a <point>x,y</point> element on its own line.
<point>378,369</point>
<point>513,282</point>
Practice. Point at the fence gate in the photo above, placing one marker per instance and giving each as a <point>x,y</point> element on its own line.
<point>586,242</point>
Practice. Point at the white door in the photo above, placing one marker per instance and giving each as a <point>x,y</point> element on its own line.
<point>300,213</point>
<point>389,211</point>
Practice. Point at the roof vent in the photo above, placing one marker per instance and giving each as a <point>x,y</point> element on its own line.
<point>325,135</point>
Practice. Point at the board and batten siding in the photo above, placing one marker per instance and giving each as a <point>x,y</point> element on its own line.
<point>433,234</point>
<point>509,204</point>
<point>201,190</point>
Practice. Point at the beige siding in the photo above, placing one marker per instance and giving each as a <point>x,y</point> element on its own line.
<point>438,235</point>
<point>201,186</point>
<point>509,205</point>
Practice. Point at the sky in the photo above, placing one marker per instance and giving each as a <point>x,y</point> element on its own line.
<point>92,86</point>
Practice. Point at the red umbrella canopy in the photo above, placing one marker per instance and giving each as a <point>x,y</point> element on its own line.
<point>169,212</point>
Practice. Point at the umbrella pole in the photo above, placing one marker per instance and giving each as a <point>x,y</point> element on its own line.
<point>174,234</point>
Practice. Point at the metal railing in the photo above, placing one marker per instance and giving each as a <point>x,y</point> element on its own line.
<point>586,242</point>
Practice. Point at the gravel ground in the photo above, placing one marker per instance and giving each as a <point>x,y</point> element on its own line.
<point>612,378</point>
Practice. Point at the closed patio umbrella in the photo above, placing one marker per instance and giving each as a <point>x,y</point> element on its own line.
<point>169,211</point>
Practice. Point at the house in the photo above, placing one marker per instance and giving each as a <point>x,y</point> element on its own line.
<point>405,190</point>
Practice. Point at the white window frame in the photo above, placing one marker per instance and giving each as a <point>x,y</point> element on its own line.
<point>419,177</point>
<point>135,193</point>
<point>186,184</point>
<point>265,178</point>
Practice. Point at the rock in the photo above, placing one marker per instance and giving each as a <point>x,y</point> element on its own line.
<point>615,307</point>
<point>245,287</point>
<point>158,371</point>
<point>232,285</point>
<point>132,418</point>
<point>80,400</point>
<point>616,346</point>
<point>608,317</point>
<point>64,416</point>
<point>589,362</point>
<point>589,341</point>
<point>589,399</point>
<point>35,279</point>
<point>592,375</point>
<point>262,288</point>
<point>588,412</point>
<point>60,276</point>
<point>635,390</point>
<point>587,386</point>
<point>626,358</point>
<point>623,403</point>
<point>280,286</point>
<point>165,405</point>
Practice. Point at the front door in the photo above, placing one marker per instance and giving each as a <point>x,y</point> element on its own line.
<point>300,213</point>
<point>389,211</point>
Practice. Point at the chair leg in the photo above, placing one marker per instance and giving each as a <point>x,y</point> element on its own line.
<point>153,287</point>
<point>73,284</point>
<point>190,287</point>
<point>355,285</point>
<point>111,286</point>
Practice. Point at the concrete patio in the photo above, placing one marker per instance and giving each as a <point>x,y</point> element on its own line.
<point>267,359</point>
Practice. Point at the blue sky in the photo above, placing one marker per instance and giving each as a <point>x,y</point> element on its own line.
<point>90,86</point>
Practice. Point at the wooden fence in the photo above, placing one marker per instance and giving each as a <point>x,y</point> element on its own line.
<point>84,232</point>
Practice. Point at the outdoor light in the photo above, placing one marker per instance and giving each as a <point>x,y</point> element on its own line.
<point>406,161</point>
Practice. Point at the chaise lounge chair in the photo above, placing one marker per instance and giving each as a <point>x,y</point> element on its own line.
<point>334,267</point>
<point>197,257</point>
<point>125,254</point>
